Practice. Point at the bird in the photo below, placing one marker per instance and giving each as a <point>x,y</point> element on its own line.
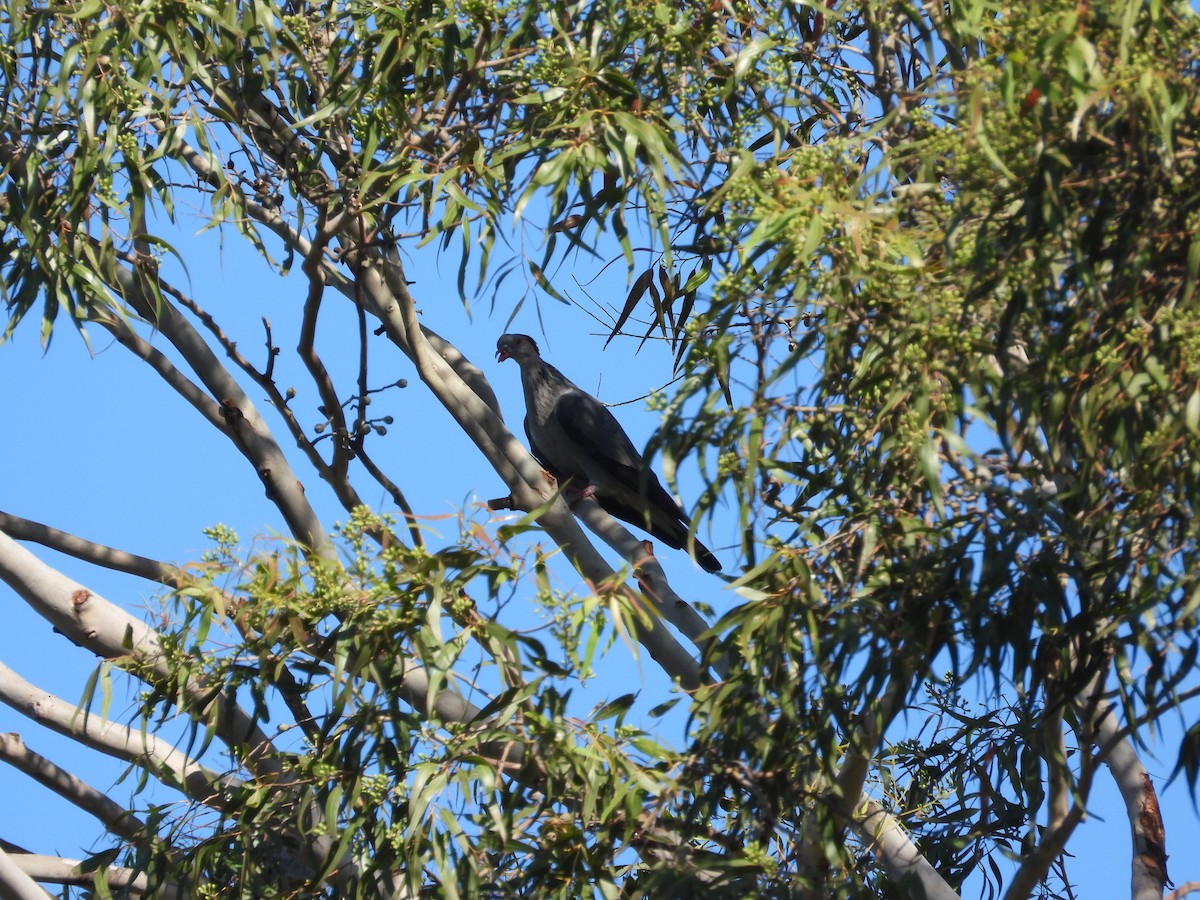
<point>578,441</point>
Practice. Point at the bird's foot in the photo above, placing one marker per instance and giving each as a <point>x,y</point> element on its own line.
<point>574,494</point>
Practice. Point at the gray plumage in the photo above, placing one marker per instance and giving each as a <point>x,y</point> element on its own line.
<point>578,441</point>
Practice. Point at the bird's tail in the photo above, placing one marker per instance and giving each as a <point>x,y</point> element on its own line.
<point>673,530</point>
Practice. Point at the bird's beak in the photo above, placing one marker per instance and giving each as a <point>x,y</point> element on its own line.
<point>502,354</point>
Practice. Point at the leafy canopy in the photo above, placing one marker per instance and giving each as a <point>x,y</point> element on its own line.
<point>929,275</point>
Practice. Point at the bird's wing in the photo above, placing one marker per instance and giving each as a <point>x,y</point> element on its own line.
<point>588,424</point>
<point>616,468</point>
<point>539,455</point>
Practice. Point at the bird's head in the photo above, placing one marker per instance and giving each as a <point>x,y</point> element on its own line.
<point>516,346</point>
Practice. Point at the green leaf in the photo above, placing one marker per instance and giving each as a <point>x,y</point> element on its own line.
<point>614,709</point>
<point>931,465</point>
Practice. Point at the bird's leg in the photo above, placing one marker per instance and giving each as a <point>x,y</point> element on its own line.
<point>574,494</point>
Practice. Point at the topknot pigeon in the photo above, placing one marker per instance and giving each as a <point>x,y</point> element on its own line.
<point>576,438</point>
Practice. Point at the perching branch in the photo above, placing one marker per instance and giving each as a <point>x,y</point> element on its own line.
<point>521,472</point>
<point>652,579</point>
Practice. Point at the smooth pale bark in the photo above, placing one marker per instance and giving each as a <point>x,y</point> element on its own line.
<point>651,577</point>
<point>1148,877</point>
<point>523,475</point>
<point>114,739</point>
<point>59,870</point>
<point>109,557</point>
<point>112,633</point>
<point>243,423</point>
<point>15,883</point>
<point>381,288</point>
<point>898,855</point>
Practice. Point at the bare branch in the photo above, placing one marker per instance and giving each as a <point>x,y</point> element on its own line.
<point>15,884</point>
<point>58,870</point>
<point>272,220</point>
<point>180,383</point>
<point>108,557</point>
<point>1057,774</point>
<point>1149,876</point>
<point>244,424</point>
<point>526,479</point>
<point>345,492</point>
<point>111,633</point>
<point>312,361</point>
<point>650,576</point>
<point>114,739</point>
<point>900,858</point>
<point>393,490</point>
<point>116,818</point>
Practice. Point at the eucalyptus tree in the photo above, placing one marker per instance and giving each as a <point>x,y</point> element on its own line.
<point>928,276</point>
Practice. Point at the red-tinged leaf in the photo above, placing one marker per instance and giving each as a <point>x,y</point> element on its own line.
<point>670,290</point>
<point>657,321</point>
<point>685,312</point>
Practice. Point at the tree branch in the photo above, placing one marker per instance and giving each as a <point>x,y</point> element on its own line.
<point>58,870</point>
<point>92,622</point>
<point>116,818</point>
<point>341,487</point>
<point>243,423</point>
<point>273,221</point>
<point>900,858</point>
<point>306,349</point>
<point>1057,774</point>
<point>15,884</point>
<point>176,380</point>
<point>652,579</point>
<point>105,629</point>
<point>525,478</point>
<point>137,746</point>
<point>1054,837</point>
<point>1149,871</point>
<point>98,554</point>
